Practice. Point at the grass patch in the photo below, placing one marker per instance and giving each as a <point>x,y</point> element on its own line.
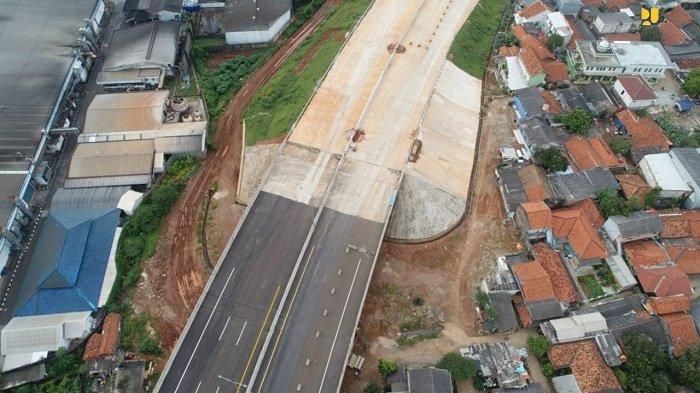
<point>471,47</point>
<point>591,286</point>
<point>279,102</point>
<point>415,339</point>
<point>137,243</point>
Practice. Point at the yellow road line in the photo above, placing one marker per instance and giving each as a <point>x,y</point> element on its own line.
<point>250,358</point>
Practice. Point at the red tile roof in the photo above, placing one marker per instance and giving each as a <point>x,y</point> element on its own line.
<point>633,185</point>
<point>589,153</point>
<point>671,35</point>
<point>530,61</point>
<point>101,345</point>
<point>534,281</point>
<point>553,105</point>
<point>678,16</point>
<point>646,253</point>
<point>519,33</point>
<point>590,210</point>
<point>564,288</point>
<point>535,183</point>
<point>664,281</point>
<point>508,51</point>
<point>670,304</point>
<point>539,215</point>
<point>573,224</point>
<point>618,4</point>
<point>534,9</point>
<point>556,71</point>
<point>522,310</point>
<point>682,330</point>
<point>687,258</point>
<point>644,132</point>
<point>685,224</point>
<point>587,365</point>
<point>623,37</point>
<point>688,64</point>
<point>637,87</point>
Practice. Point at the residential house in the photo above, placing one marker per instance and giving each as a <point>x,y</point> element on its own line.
<point>613,22</point>
<point>668,304</point>
<point>590,209</point>
<point>528,103</point>
<point>568,7</point>
<point>574,187</point>
<point>646,137</point>
<point>686,257</point>
<point>536,64</point>
<point>605,59</point>
<point>571,99</point>
<point>646,253</point>
<point>575,327</point>
<point>534,13</point>
<point>500,364</point>
<point>687,162</point>
<point>634,91</point>
<point>680,35</point>
<point>248,23</point>
<point>557,24</point>
<point>600,99</point>
<point>682,331</point>
<point>589,153</point>
<point>506,320</point>
<point>536,133</point>
<point>664,281</point>
<point>511,187</point>
<point>682,225</point>
<point>578,236</point>
<point>562,283</point>
<point>662,170</point>
<point>587,365</point>
<point>565,384</point>
<point>539,301</point>
<point>633,185</point>
<point>536,184</point>
<point>638,225</point>
<point>628,315</point>
<point>101,348</point>
<point>621,272</point>
<point>535,218</point>
<point>429,380</point>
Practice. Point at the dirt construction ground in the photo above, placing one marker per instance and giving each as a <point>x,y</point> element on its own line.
<point>443,274</point>
<point>174,278</point>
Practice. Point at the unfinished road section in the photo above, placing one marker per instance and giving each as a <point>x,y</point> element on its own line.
<point>280,311</point>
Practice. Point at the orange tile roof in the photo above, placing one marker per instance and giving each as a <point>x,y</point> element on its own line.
<point>589,153</point>
<point>678,16</point>
<point>543,53</point>
<point>552,103</point>
<point>682,331</point>
<point>687,258</point>
<point>508,51</point>
<point>664,281</point>
<point>534,9</point>
<point>618,4</point>
<point>623,37</point>
<point>524,314</point>
<point>587,365</point>
<point>564,288</point>
<point>637,87</point>
<point>688,64</point>
<point>591,211</point>
<point>646,253</point>
<point>683,225</point>
<point>572,223</point>
<point>556,71</point>
<point>644,131</point>
<point>104,344</point>
<point>671,35</point>
<point>519,33</point>
<point>534,281</point>
<point>530,61</point>
<point>670,304</point>
<point>535,183</point>
<point>633,185</point>
<point>539,215</point>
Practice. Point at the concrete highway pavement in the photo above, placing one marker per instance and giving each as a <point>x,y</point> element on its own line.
<point>217,352</point>
<point>310,346</point>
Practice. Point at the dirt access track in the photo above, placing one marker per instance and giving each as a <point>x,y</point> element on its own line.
<point>175,276</point>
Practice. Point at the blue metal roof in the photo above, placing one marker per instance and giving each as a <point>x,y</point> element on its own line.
<point>67,266</point>
<point>685,105</point>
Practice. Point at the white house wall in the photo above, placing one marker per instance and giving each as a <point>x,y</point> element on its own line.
<point>259,37</point>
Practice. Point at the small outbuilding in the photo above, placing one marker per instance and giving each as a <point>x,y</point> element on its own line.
<point>255,22</point>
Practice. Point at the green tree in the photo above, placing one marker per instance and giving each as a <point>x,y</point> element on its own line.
<point>372,387</point>
<point>555,41</point>
<point>551,159</point>
<point>686,369</point>
<point>651,198</point>
<point>620,145</point>
<point>547,369</point>
<point>578,121</point>
<point>612,204</point>
<point>460,367</point>
<point>386,367</point>
<point>538,345</point>
<point>651,33</point>
<point>691,86</point>
<point>63,363</point>
<point>646,368</point>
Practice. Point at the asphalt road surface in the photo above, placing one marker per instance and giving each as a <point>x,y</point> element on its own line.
<point>312,341</point>
<point>218,351</point>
